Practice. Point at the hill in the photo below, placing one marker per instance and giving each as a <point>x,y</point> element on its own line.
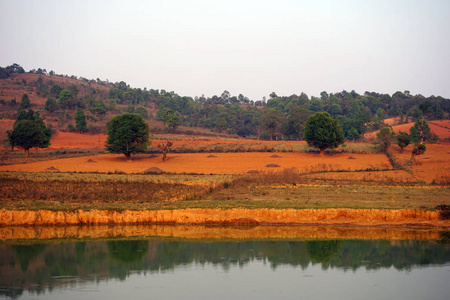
<point>56,98</point>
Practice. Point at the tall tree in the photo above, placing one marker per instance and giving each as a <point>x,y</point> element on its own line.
<point>403,140</point>
<point>271,120</point>
<point>418,149</point>
<point>421,132</point>
<point>171,119</point>
<point>127,134</point>
<point>385,136</point>
<point>322,132</point>
<point>294,127</point>
<point>80,120</point>
<point>25,101</point>
<point>66,100</point>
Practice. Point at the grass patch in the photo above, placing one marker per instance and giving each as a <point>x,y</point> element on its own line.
<point>286,188</point>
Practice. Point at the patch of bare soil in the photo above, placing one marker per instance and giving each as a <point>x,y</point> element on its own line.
<point>224,163</point>
<point>440,127</point>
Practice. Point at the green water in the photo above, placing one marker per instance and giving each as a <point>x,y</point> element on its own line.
<point>161,268</point>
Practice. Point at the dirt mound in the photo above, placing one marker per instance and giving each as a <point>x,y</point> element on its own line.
<point>272,166</point>
<point>211,156</point>
<point>351,157</point>
<point>154,170</point>
<point>276,156</point>
<point>91,161</point>
<point>52,168</point>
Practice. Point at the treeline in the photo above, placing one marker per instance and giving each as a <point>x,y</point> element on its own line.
<point>285,117</point>
<point>279,117</point>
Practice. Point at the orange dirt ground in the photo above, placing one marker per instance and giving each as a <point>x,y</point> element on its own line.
<point>203,163</point>
<point>434,165</point>
<point>441,128</point>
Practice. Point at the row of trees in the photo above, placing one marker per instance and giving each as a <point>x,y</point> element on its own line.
<point>285,117</point>
<point>129,134</point>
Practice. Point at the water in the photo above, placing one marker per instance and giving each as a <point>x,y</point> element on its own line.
<point>179,268</point>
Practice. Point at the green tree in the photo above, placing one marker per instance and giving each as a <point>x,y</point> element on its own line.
<point>98,111</point>
<point>112,106</point>
<point>55,90</point>
<point>65,99</point>
<point>421,132</point>
<point>80,120</point>
<point>385,136</point>
<point>127,134</point>
<point>418,149</point>
<point>27,134</point>
<point>271,120</point>
<point>353,134</point>
<point>381,114</point>
<point>315,105</point>
<point>171,119</point>
<point>142,111</point>
<point>403,140</point>
<point>335,109</point>
<point>25,101</point>
<point>51,105</point>
<point>294,127</point>
<point>322,132</point>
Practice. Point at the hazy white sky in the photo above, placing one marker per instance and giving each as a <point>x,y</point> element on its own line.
<point>249,47</point>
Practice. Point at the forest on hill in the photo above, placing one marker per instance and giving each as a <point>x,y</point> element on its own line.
<point>58,97</point>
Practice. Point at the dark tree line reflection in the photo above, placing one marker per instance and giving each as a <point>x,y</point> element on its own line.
<point>40,267</point>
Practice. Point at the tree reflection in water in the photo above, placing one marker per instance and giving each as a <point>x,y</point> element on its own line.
<point>40,267</point>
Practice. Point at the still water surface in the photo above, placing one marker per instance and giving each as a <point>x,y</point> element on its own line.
<point>164,268</point>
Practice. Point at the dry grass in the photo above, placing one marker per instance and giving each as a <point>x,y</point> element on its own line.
<point>287,188</point>
<point>70,191</point>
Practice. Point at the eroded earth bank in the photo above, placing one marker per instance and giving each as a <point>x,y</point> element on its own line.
<point>205,216</point>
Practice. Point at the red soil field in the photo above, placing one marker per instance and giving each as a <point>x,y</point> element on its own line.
<point>206,163</point>
<point>434,165</point>
<point>437,127</point>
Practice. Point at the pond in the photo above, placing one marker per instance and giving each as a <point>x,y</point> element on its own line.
<point>166,266</point>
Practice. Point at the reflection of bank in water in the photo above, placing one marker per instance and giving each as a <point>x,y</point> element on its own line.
<point>11,234</point>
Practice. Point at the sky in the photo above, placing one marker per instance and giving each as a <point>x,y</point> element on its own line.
<point>253,48</point>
